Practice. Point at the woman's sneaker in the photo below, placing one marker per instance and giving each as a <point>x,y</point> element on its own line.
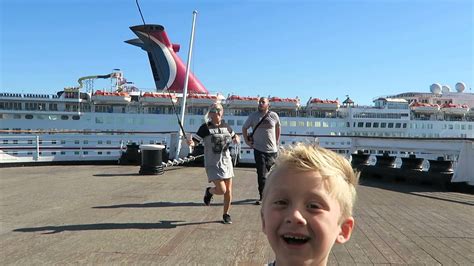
<point>226,219</point>
<point>207,197</point>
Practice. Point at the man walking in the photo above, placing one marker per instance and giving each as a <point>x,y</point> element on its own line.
<point>263,139</point>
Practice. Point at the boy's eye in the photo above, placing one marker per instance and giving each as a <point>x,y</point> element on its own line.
<point>280,202</point>
<point>314,205</point>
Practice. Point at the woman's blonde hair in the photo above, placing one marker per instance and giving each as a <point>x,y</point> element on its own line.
<point>217,105</point>
<point>338,176</point>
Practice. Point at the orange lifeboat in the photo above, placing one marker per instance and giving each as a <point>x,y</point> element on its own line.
<point>470,113</point>
<point>454,109</point>
<point>203,99</point>
<point>235,101</point>
<point>111,97</point>
<point>284,103</point>
<point>158,98</point>
<point>424,108</point>
<point>323,105</point>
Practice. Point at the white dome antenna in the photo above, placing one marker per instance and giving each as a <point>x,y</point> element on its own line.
<point>445,89</point>
<point>435,88</point>
<point>460,86</point>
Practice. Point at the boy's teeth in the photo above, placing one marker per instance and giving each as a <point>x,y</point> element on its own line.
<point>295,240</point>
<point>295,237</point>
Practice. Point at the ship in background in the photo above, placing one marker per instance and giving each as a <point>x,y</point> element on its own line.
<point>85,124</point>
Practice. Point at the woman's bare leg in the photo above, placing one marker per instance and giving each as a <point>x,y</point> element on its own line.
<point>227,195</point>
<point>220,187</point>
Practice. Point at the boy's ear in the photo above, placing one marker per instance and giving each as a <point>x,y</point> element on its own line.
<point>346,230</point>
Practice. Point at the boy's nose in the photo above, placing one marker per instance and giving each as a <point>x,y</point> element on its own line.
<point>295,216</point>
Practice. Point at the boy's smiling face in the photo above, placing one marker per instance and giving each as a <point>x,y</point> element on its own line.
<point>300,218</point>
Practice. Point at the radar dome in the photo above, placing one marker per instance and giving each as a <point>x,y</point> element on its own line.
<point>445,89</point>
<point>460,86</point>
<point>435,88</point>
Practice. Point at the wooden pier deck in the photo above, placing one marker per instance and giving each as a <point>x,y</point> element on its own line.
<point>107,214</point>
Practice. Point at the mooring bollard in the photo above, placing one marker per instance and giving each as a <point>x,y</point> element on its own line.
<point>152,159</point>
<point>360,159</point>
<point>441,166</point>
<point>131,155</point>
<point>412,163</point>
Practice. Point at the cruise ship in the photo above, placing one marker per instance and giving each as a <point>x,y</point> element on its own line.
<point>84,123</point>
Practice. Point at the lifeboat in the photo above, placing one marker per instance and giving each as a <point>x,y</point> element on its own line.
<point>150,98</point>
<point>284,103</point>
<point>470,113</point>
<point>323,105</point>
<point>454,109</point>
<point>424,108</point>
<point>203,99</point>
<point>235,101</point>
<point>111,97</point>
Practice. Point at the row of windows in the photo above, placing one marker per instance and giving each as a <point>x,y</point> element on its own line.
<point>380,125</point>
<point>76,142</point>
<point>35,106</point>
<point>40,117</point>
<point>160,110</point>
<point>380,115</point>
<point>457,127</point>
<point>10,106</point>
<point>54,142</point>
<point>42,153</point>
<point>400,134</point>
<point>232,122</point>
<point>28,106</point>
<point>337,151</point>
<point>437,102</point>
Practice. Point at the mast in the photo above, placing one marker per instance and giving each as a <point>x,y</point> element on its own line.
<point>185,89</point>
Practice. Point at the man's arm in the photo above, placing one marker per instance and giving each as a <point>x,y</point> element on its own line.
<point>277,129</point>
<point>246,139</point>
<point>245,135</point>
<point>277,133</point>
<point>244,132</point>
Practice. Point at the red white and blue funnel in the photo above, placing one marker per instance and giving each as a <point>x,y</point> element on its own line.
<point>168,69</point>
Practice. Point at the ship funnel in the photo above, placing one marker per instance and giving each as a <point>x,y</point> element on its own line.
<point>168,69</point>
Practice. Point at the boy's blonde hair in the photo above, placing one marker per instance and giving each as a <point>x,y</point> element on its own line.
<point>338,176</point>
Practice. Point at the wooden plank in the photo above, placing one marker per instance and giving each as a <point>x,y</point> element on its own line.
<point>112,215</point>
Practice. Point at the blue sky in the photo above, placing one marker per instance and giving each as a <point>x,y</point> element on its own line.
<point>324,49</point>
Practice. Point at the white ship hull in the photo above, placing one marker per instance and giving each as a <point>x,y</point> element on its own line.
<point>123,128</point>
<point>100,132</point>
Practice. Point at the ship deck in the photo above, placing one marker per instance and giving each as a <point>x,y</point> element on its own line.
<point>108,214</point>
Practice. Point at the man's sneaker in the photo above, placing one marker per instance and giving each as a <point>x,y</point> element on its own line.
<point>207,197</point>
<point>226,219</point>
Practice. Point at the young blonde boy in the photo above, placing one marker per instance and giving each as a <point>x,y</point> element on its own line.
<point>307,205</point>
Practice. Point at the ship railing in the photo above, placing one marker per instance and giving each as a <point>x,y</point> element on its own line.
<point>460,151</point>
<point>35,149</point>
<point>72,145</point>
